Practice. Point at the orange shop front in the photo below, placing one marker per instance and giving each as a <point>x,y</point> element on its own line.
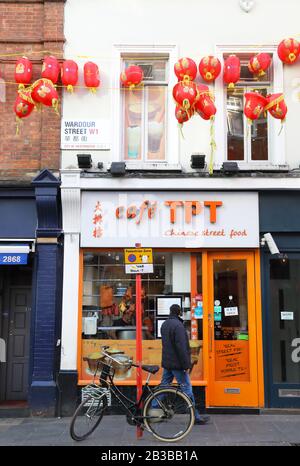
<point>206,258</point>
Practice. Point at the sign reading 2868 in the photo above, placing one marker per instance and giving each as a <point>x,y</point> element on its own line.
<point>13,259</point>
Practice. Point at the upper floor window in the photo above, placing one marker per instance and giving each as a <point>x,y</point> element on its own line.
<point>144,111</point>
<point>247,143</point>
<point>260,144</point>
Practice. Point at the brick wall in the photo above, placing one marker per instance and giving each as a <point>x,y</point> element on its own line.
<point>27,27</point>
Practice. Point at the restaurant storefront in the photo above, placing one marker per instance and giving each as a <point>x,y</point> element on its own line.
<point>206,258</point>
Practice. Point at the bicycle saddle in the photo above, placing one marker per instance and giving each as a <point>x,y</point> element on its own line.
<point>151,369</point>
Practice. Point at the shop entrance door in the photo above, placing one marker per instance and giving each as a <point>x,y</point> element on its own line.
<point>283,331</point>
<point>18,344</point>
<point>232,333</point>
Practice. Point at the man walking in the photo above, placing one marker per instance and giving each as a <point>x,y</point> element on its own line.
<point>176,356</point>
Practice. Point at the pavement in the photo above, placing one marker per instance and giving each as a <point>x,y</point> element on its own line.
<point>222,430</point>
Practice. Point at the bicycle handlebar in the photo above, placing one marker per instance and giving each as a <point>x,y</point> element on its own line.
<point>103,348</point>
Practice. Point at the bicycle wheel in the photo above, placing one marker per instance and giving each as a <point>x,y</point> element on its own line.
<point>87,417</point>
<point>169,414</point>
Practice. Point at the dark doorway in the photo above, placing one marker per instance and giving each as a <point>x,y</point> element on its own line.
<point>283,331</point>
<point>15,324</point>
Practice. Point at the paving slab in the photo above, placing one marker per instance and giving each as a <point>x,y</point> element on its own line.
<point>254,430</point>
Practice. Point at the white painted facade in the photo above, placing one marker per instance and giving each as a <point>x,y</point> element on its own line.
<point>100,31</point>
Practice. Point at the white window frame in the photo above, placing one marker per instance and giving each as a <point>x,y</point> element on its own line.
<point>172,134</point>
<point>276,141</point>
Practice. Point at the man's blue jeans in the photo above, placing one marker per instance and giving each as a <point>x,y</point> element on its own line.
<point>183,379</point>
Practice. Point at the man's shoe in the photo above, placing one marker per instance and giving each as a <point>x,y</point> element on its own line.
<point>202,420</point>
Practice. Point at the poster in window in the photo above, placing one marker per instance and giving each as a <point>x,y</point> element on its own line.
<point>163,304</point>
<point>159,323</point>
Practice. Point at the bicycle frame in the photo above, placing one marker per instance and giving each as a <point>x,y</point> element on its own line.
<point>131,407</point>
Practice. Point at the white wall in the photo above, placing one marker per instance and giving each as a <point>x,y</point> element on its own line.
<point>92,27</point>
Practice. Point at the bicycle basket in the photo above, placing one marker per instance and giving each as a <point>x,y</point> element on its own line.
<point>96,391</point>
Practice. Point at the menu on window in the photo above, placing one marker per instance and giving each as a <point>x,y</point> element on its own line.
<point>163,304</point>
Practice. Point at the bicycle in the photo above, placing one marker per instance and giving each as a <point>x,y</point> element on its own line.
<point>164,411</point>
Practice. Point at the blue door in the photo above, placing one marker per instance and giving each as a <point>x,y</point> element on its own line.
<point>281,306</point>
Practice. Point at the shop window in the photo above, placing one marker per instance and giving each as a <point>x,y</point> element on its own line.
<point>145,112</point>
<point>108,308</point>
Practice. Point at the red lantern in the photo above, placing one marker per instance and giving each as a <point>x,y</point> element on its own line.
<point>23,72</point>
<point>202,91</point>
<point>185,94</point>
<point>91,76</point>
<point>132,76</point>
<point>205,107</point>
<point>288,51</point>
<point>254,105</point>
<point>23,105</point>
<point>69,74</point>
<point>232,70</point>
<point>276,106</point>
<point>259,63</point>
<point>185,69</point>
<point>44,92</point>
<point>51,69</point>
<point>209,68</point>
<point>181,115</point>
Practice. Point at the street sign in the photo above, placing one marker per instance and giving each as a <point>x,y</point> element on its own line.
<point>13,258</point>
<point>138,260</point>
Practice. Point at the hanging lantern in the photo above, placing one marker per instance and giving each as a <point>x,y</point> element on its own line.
<point>202,90</point>
<point>185,95</point>
<point>69,74</point>
<point>91,76</point>
<point>254,105</point>
<point>181,115</point>
<point>288,51</point>
<point>259,63</point>
<point>185,69</point>
<point>132,76</point>
<point>23,72</point>
<point>232,70</point>
<point>51,69</point>
<point>23,106</point>
<point>204,105</point>
<point>276,106</point>
<point>206,108</point>
<point>44,92</point>
<point>209,68</point>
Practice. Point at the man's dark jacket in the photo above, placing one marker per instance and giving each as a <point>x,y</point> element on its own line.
<point>176,353</point>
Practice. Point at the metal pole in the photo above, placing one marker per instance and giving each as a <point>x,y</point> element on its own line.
<point>139,352</point>
<point>139,356</point>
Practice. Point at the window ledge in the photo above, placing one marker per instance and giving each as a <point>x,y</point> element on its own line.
<point>256,167</point>
<point>153,166</point>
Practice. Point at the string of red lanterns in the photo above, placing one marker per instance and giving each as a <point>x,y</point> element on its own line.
<point>190,97</point>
